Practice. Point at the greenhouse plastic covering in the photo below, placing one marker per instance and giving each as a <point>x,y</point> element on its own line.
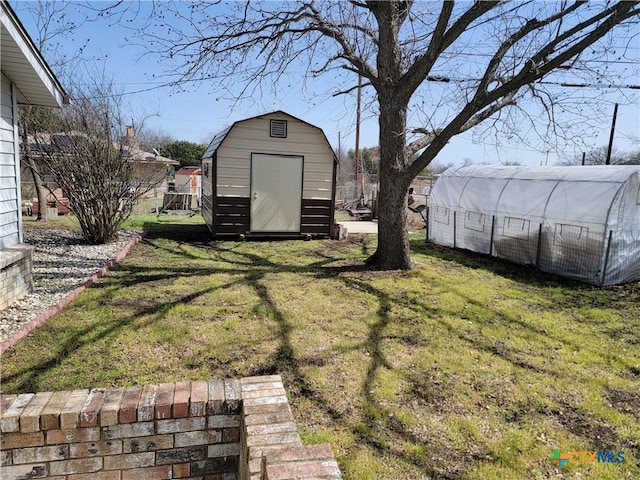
<point>581,222</point>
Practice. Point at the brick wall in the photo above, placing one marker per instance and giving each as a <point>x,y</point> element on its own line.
<point>16,273</point>
<point>211,430</point>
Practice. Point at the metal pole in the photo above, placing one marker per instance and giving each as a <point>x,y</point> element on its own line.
<point>613,129</point>
<point>454,229</point>
<point>539,247</point>
<point>493,229</point>
<point>427,227</point>
<point>606,260</point>
<point>584,156</point>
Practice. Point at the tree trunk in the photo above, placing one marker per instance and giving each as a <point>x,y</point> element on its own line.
<point>41,214</point>
<point>393,251</point>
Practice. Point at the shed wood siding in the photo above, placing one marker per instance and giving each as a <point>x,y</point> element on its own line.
<point>9,202</point>
<point>252,136</point>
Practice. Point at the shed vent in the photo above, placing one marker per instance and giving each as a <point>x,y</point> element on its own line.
<point>278,128</point>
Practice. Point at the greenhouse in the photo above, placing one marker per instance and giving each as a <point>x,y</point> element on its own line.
<point>579,222</point>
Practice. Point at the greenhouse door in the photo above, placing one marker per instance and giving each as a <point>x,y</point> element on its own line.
<point>276,192</point>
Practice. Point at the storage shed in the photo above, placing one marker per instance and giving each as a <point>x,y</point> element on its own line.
<point>188,180</point>
<point>273,174</point>
<point>578,222</point>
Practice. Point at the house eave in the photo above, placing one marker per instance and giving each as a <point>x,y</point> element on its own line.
<point>24,66</point>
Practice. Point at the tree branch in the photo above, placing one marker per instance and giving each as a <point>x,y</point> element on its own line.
<point>440,41</point>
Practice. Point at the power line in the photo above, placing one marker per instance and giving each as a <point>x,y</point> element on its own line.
<point>442,79</point>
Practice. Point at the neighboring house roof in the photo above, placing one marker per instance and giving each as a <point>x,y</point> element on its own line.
<point>190,170</point>
<point>24,65</point>
<point>220,136</point>
<point>42,143</point>
<point>141,156</point>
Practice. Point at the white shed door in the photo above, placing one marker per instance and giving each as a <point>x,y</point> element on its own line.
<point>276,193</point>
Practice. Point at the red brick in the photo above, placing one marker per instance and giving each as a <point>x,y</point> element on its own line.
<point>73,435</point>
<point>129,405</point>
<point>114,475</point>
<point>153,473</point>
<point>128,430</point>
<point>95,449</point>
<point>30,418</point>
<point>266,409</point>
<point>230,435</point>
<point>50,416</point>
<point>308,469</point>
<point>223,450</point>
<point>40,454</point>
<point>21,440</point>
<point>181,455</point>
<point>271,392</point>
<point>111,407</point>
<point>215,402</point>
<point>6,401</point>
<point>129,460</point>
<point>164,400</point>
<point>178,425</point>
<point>182,470</point>
<point>199,396</point>
<point>261,379</point>
<point>273,439</point>
<point>70,414</point>
<point>223,421</point>
<point>181,394</point>
<point>232,395</point>
<point>147,403</point>
<point>270,428</point>
<point>298,453</point>
<point>269,418</point>
<point>202,437</point>
<point>91,409</point>
<point>81,465</point>
<point>38,470</point>
<point>10,420</point>
<point>265,400</point>
<point>147,444</point>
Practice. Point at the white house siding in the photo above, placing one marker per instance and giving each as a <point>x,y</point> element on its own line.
<point>9,173</point>
<point>252,136</point>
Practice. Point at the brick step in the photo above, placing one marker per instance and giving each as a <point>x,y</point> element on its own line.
<point>301,462</point>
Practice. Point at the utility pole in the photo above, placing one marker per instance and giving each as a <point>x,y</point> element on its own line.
<point>339,155</point>
<point>613,129</point>
<point>357,155</point>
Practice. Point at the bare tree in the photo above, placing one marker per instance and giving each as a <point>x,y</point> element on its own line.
<point>93,162</point>
<point>597,156</point>
<point>53,26</point>
<point>150,139</point>
<point>33,119</point>
<point>435,70</point>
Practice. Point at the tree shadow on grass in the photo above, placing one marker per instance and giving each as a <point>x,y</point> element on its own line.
<point>375,424</point>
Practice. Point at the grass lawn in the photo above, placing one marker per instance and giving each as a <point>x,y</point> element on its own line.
<point>465,367</point>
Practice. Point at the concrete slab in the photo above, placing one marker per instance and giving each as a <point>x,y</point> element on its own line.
<point>360,227</point>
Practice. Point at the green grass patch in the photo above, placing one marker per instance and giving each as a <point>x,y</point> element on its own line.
<point>466,367</point>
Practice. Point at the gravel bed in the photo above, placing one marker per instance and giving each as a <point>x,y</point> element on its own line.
<point>61,262</point>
